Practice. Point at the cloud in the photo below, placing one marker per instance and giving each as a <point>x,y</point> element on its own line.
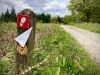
<point>7,4</point>
<point>53,7</point>
<point>35,3</point>
<point>57,7</point>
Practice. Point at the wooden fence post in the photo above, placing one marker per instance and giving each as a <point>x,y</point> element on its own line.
<point>25,61</point>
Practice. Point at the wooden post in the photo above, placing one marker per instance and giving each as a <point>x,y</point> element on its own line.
<point>25,61</point>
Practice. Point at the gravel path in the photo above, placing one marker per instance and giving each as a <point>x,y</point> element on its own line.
<point>89,40</point>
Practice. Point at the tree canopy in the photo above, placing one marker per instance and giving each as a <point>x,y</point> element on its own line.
<point>87,7</point>
<point>13,15</point>
<point>7,16</point>
<point>43,18</point>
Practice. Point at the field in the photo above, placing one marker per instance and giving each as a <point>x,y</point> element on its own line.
<point>57,51</point>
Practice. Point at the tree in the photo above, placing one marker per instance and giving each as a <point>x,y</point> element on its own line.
<point>80,17</point>
<point>13,17</point>
<point>88,7</point>
<point>96,16</point>
<point>43,18</point>
<point>47,18</point>
<point>70,18</point>
<point>2,17</point>
<point>53,19</point>
<point>7,16</point>
<point>56,19</point>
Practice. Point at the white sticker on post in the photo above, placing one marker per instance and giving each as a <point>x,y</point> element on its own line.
<point>22,38</point>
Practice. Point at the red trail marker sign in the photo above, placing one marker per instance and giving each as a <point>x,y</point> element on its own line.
<point>23,21</point>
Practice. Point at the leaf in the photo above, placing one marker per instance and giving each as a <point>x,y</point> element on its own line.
<point>49,71</point>
<point>57,59</point>
<point>64,61</point>
<point>58,71</point>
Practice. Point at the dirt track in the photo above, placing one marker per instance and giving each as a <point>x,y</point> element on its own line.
<point>89,40</point>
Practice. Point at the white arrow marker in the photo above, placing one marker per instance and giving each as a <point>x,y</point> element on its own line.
<point>22,38</point>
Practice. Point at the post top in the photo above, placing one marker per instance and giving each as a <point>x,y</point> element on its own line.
<point>27,12</point>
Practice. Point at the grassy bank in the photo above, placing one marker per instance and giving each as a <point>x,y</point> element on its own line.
<point>94,27</point>
<point>62,54</point>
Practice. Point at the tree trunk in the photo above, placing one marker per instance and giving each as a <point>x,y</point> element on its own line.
<point>88,17</point>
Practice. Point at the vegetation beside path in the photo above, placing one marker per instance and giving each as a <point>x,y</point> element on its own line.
<point>62,54</point>
<point>94,27</point>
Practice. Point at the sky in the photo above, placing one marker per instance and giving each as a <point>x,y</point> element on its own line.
<point>53,7</point>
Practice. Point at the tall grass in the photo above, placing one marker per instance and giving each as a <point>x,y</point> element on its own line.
<point>94,27</point>
<point>7,48</point>
<point>63,53</point>
<point>64,56</point>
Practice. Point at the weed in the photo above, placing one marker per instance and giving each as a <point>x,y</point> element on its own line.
<point>64,56</point>
<point>64,53</point>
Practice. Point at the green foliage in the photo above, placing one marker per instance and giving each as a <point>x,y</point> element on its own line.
<point>96,15</point>
<point>81,17</point>
<point>69,19</point>
<point>87,7</point>
<point>7,61</point>
<point>13,17</point>
<point>64,55</point>
<point>58,71</point>
<point>2,17</point>
<point>6,27</point>
<point>42,18</point>
<point>7,17</point>
<point>7,48</point>
<point>56,19</point>
<point>7,64</point>
<point>94,27</point>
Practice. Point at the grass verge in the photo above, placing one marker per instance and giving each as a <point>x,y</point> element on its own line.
<point>94,27</point>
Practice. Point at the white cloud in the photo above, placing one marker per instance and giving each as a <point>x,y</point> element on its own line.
<point>57,7</point>
<point>7,4</point>
<point>53,7</point>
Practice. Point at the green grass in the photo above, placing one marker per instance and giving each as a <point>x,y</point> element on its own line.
<point>64,56</point>
<point>62,51</point>
<point>6,27</point>
<point>94,27</point>
<point>7,48</point>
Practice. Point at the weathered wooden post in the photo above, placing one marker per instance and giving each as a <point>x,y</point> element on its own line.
<point>24,60</point>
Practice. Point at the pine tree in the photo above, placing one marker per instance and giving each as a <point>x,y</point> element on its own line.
<point>2,17</point>
<point>7,16</point>
<point>13,17</point>
<point>47,18</point>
